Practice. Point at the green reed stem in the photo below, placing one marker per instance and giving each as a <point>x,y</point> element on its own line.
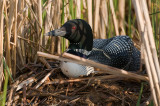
<point>6,70</point>
<point>81,9</point>
<point>129,18</point>
<point>71,8</point>
<point>140,95</point>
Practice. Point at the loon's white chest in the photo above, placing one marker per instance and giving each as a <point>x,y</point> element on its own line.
<point>75,70</point>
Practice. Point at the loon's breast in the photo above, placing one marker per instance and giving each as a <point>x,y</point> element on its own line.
<point>75,70</point>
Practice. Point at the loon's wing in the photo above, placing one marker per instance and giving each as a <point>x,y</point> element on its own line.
<point>100,43</point>
<point>116,52</point>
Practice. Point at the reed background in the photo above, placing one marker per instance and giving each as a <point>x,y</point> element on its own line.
<point>24,22</point>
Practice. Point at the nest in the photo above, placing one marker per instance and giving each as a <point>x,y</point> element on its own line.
<point>44,84</point>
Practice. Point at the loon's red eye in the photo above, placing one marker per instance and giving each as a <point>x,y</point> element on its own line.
<point>73,27</point>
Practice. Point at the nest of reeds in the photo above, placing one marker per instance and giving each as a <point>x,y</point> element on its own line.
<point>44,84</point>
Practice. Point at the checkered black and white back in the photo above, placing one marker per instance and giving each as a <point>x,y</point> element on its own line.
<point>117,52</point>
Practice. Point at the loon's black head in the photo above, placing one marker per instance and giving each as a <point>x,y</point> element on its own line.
<point>78,32</point>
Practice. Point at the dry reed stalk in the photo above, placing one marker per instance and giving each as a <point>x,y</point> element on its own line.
<point>148,55</point>
<point>48,25</point>
<point>151,39</point>
<point>35,17</point>
<point>105,68</point>
<point>84,4</point>
<point>31,54</point>
<point>21,47</point>
<point>20,53</point>
<point>10,23</point>
<point>11,93</point>
<point>21,20</point>
<point>42,81</point>
<point>96,17</point>
<point>15,39</point>
<point>39,15</point>
<point>153,56</point>
<point>104,13</point>
<point>102,23</point>
<point>89,7</point>
<point>24,95</point>
<point>1,42</point>
<point>26,82</point>
<point>121,6</point>
<point>95,78</point>
<point>58,20</point>
<point>66,9</point>
<point>45,63</point>
<point>114,17</point>
<point>48,22</point>
<point>102,28</point>
<point>152,65</point>
<point>78,10</point>
<point>29,41</point>
<point>8,55</point>
<point>151,80</point>
<point>55,14</point>
<point>11,16</point>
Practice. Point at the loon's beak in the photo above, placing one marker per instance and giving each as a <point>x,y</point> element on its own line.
<point>57,32</point>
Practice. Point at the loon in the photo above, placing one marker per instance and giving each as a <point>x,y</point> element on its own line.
<point>118,51</point>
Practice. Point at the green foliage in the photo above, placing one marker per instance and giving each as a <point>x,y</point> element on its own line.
<point>155,18</point>
<point>129,18</point>
<point>81,9</point>
<point>6,72</point>
<point>44,1</point>
<point>71,8</point>
<point>44,14</point>
<point>140,94</point>
<point>151,103</point>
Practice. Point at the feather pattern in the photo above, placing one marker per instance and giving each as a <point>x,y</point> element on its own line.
<point>117,52</point>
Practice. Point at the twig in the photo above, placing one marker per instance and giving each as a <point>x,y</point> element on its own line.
<point>105,68</point>
<point>30,41</point>
<point>62,81</point>
<point>41,82</point>
<point>11,93</point>
<point>24,94</point>
<point>26,82</point>
<point>45,62</point>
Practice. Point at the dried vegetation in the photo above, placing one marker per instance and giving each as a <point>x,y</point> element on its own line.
<point>30,79</point>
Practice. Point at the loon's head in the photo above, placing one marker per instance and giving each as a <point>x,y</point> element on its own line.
<point>78,32</point>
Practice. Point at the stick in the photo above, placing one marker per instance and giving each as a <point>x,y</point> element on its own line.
<point>105,68</point>
<point>62,81</point>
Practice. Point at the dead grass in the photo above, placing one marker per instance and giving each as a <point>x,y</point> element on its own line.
<point>111,91</point>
